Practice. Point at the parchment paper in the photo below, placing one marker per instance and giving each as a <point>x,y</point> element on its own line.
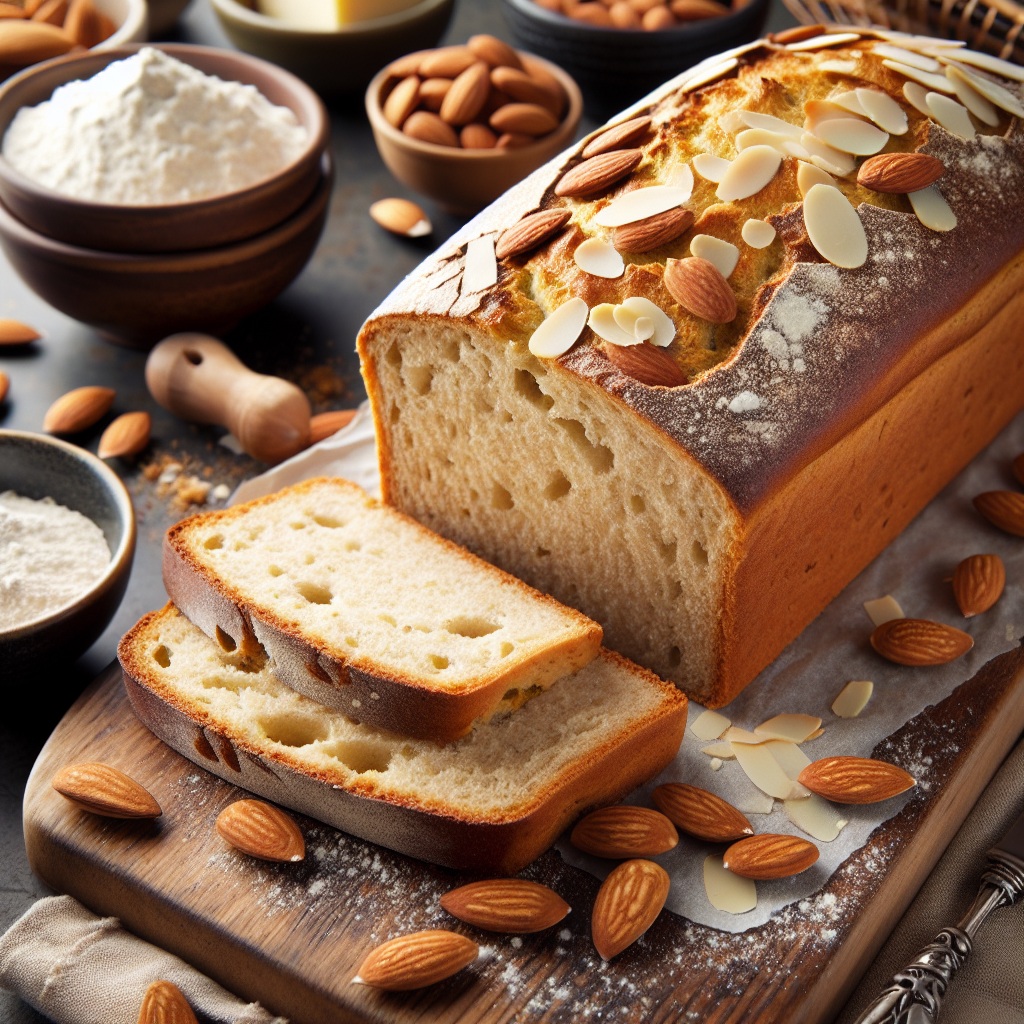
<point>809,674</point>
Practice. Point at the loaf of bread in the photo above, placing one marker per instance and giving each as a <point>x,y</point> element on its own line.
<point>817,369</point>
<point>364,610</point>
<point>490,802</point>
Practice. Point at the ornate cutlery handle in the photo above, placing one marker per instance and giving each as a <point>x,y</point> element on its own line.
<point>916,993</point>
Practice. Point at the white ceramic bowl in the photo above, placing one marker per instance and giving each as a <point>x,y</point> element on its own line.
<point>131,18</point>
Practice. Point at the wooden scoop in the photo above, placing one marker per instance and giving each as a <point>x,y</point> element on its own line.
<point>201,380</point>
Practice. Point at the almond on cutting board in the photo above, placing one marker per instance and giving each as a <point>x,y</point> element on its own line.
<point>855,780</point>
<point>652,232</point>
<point>899,173</point>
<point>628,903</point>
<point>164,1003</point>
<point>645,363</point>
<point>700,813</point>
<point>699,287</point>
<point>261,830</point>
<point>513,905</point>
<point>401,217</point>
<point>624,831</point>
<point>920,642</point>
<point>597,173</point>
<point>529,232</point>
<point>770,856</point>
<point>416,960</point>
<point>127,435</point>
<point>78,410</point>
<point>978,583</point>
<point>14,332</point>
<point>1004,509</point>
<point>101,789</point>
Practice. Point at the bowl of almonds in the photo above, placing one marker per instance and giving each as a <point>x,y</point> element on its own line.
<point>462,124</point>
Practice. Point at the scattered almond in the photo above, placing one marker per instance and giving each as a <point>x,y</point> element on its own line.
<point>899,173</point>
<point>624,831</point>
<point>617,137</point>
<point>477,136</point>
<point>530,232</point>
<point>700,813</point>
<point>401,217</point>
<point>855,780</point>
<point>416,960</point>
<point>512,905</point>
<point>652,232</point>
<point>13,332</point>
<point>770,856</point>
<point>699,287</point>
<point>5,384</point>
<point>523,119</point>
<point>646,364</point>
<point>428,127</point>
<point>78,409</point>
<point>324,424</point>
<point>494,51</point>
<point>103,790</point>
<point>978,582</point>
<point>401,101</point>
<point>446,62</point>
<point>597,173</point>
<point>467,95</point>
<point>127,435</point>
<point>628,903</point>
<point>1004,509</point>
<point>261,830</point>
<point>163,1003</point>
<point>25,42</point>
<point>920,642</point>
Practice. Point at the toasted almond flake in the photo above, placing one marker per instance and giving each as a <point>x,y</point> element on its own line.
<point>994,64</point>
<point>793,148</point>
<point>711,74</point>
<point>849,101</point>
<point>853,699</point>
<point>642,203</point>
<point>814,735</point>
<point>709,726</point>
<point>915,94</point>
<point>827,158</point>
<point>721,253</point>
<point>754,802</point>
<point>815,816</point>
<point>883,110</point>
<point>909,57</point>
<point>602,323</point>
<point>761,137</point>
<point>937,82</point>
<point>834,227</point>
<point>643,327</point>
<point>731,122</point>
<point>839,67</point>
<point>664,326</point>
<point>560,330</point>
<point>728,892</point>
<point>851,136</point>
<point>709,167</point>
<point>820,42</point>
<point>990,90</point>
<point>816,112</point>
<point>481,270</point>
<point>600,258</point>
<point>923,44</point>
<point>809,175</point>
<point>736,735</point>
<point>971,98</point>
<point>932,210</point>
<point>760,766</point>
<point>752,119</point>
<point>758,234</point>
<point>792,728</point>
<point>720,750</point>
<point>883,609</point>
<point>749,173</point>
<point>792,760</point>
<point>951,115</point>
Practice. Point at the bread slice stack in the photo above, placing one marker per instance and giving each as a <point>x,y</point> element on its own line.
<point>334,656</point>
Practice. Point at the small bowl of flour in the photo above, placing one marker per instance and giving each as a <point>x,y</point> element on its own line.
<point>67,537</point>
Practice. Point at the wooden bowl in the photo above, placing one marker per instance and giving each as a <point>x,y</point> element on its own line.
<point>37,466</point>
<point>464,181</point>
<point>176,227</point>
<point>335,61</point>
<point>137,299</point>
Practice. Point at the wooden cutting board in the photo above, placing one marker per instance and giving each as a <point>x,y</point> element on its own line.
<point>292,936</point>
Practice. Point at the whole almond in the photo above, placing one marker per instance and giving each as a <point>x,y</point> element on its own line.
<point>855,780</point>
<point>25,42</point>
<point>770,856</point>
<point>546,80</point>
<point>413,961</point>
<point>495,100</point>
<point>103,790</point>
<point>467,96</point>
<point>78,409</point>
<point>401,101</point>
<point>700,813</point>
<point>402,217</point>
<point>261,830</point>
<point>628,903</point>
<point>643,6</point>
<point>512,905</point>
<point>623,16</point>
<point>617,137</point>
<point>83,23</point>
<point>13,332</point>
<point>1018,468</point>
<point>652,232</point>
<point>477,136</point>
<point>163,1003</point>
<point>5,384</point>
<point>494,52</point>
<point>920,642</point>
<point>446,62</point>
<point>522,87</point>
<point>1004,509</point>
<point>797,34</point>
<point>645,363</point>
<point>898,173</point>
<point>514,140</point>
<point>52,12</point>
<point>31,6</point>
<point>406,66</point>
<point>524,119</point>
<point>11,11</point>
<point>591,13</point>
<point>433,91</point>
<point>657,19</point>
<point>699,287</point>
<point>428,127</point>
<point>978,583</point>
<point>697,10</point>
<point>597,173</point>
<point>624,831</point>
<point>327,423</point>
<point>530,232</point>
<point>127,435</point>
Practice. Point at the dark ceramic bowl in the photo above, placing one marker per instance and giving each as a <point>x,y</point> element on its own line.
<point>137,299</point>
<point>616,67</point>
<point>177,227</point>
<point>37,466</point>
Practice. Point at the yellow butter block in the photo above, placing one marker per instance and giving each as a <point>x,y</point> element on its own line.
<point>328,14</point>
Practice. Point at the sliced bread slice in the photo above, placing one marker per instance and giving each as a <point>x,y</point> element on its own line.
<point>490,802</point>
<point>366,611</point>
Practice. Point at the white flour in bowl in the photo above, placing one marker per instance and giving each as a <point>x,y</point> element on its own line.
<point>49,556</point>
<point>152,130</point>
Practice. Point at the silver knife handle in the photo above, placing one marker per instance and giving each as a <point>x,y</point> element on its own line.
<point>916,993</point>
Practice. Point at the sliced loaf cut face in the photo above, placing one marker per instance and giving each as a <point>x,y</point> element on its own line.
<point>490,802</point>
<point>366,611</point>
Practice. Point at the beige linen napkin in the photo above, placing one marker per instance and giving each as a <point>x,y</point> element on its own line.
<point>77,968</point>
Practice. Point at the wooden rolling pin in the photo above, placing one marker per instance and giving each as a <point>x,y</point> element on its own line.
<point>201,380</point>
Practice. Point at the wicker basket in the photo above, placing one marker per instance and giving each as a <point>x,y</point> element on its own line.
<point>991,26</point>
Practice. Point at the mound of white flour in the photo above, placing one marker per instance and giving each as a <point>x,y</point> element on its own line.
<point>151,130</point>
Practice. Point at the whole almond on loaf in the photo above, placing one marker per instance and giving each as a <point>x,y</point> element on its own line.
<point>624,831</point>
<point>513,905</point>
<point>416,960</point>
<point>855,780</point>
<point>597,173</point>
<point>164,1003</point>
<point>646,363</point>
<point>699,287</point>
<point>628,903</point>
<point>530,232</point>
<point>978,583</point>
<point>104,790</point>
<point>652,232</point>
<point>700,813</point>
<point>617,137</point>
<point>899,172</point>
